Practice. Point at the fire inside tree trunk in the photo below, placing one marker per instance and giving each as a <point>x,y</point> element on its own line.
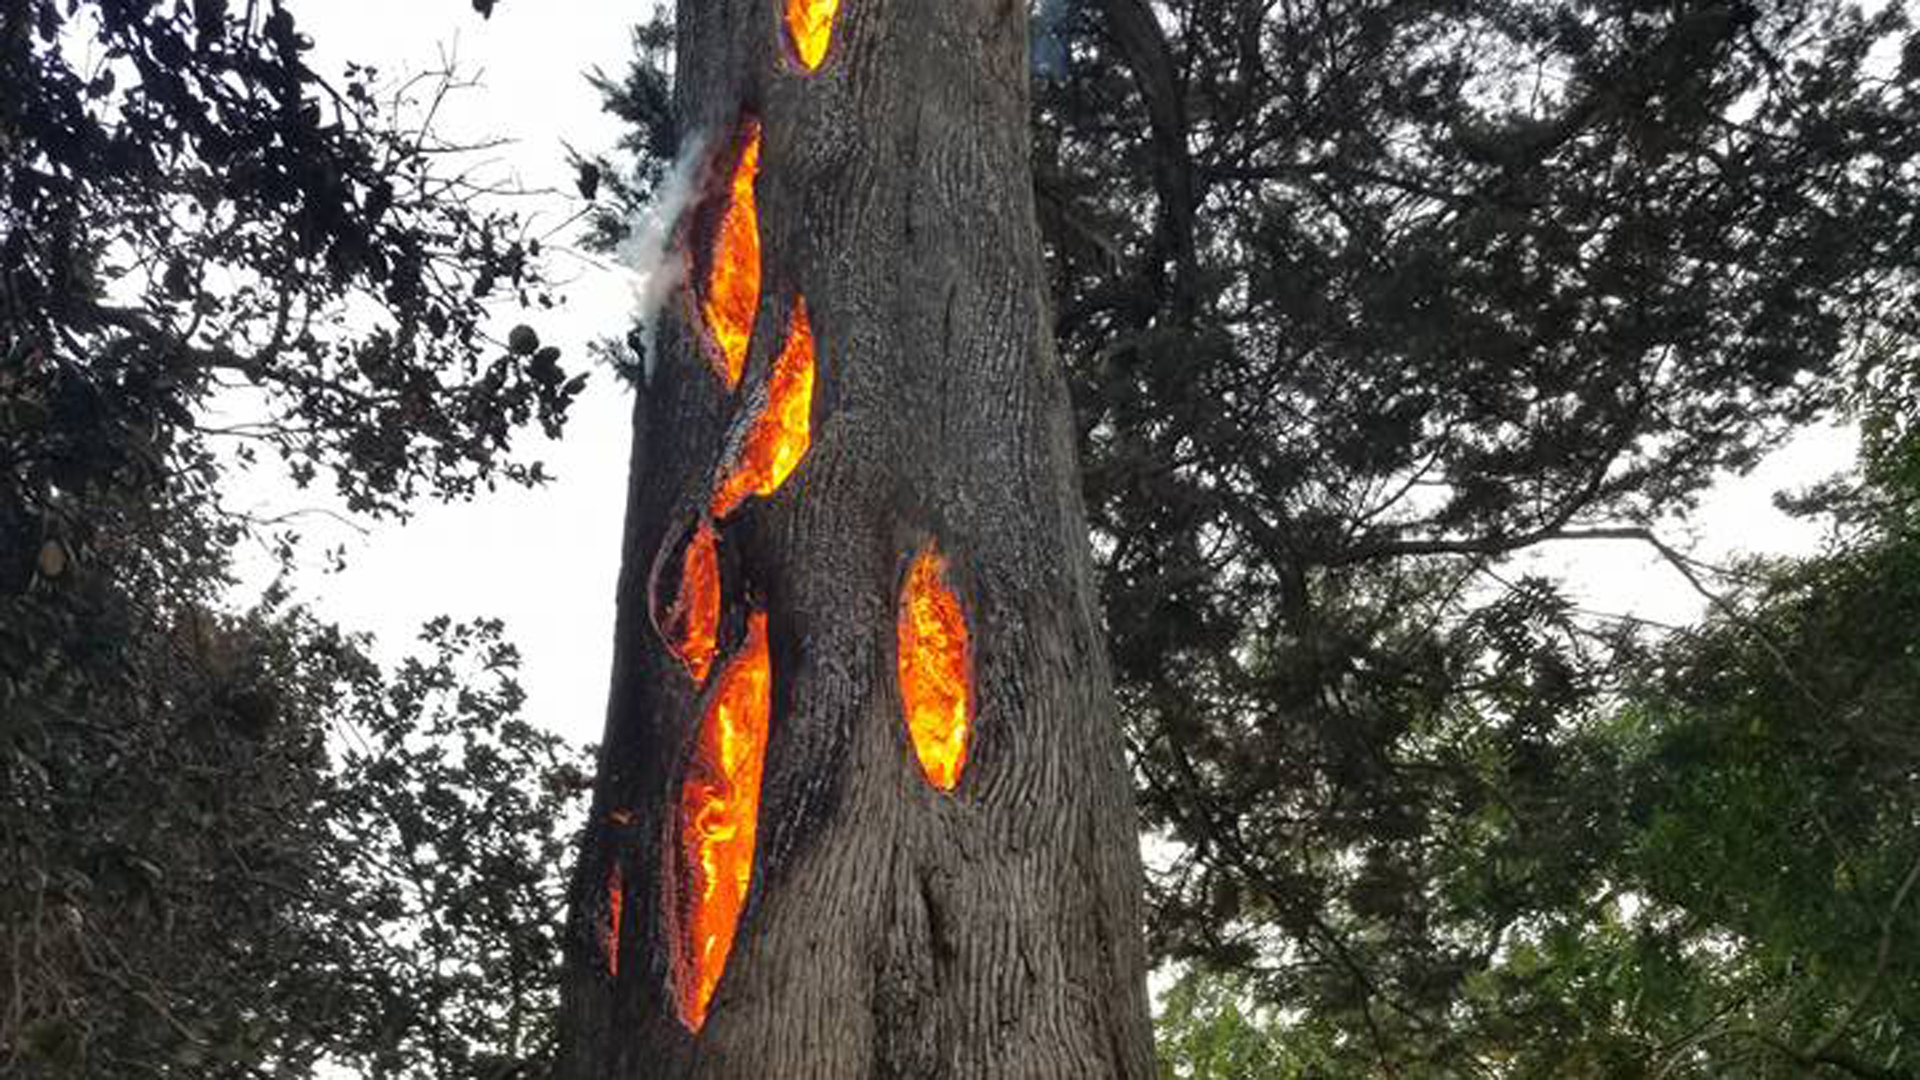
<point>862,809</point>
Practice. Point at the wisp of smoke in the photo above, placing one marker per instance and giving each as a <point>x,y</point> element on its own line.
<point>648,252</point>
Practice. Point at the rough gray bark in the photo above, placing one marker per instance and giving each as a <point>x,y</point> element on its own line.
<point>892,930</point>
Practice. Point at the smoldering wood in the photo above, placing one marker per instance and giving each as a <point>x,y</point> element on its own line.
<point>892,930</point>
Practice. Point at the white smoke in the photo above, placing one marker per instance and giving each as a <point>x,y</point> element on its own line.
<point>648,252</point>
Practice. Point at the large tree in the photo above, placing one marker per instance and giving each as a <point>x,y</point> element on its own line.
<point>1359,299</point>
<point>861,807</point>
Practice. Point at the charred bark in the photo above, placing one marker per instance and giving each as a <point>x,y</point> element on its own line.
<point>891,929</point>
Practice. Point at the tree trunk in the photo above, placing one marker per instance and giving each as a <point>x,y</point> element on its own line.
<point>891,927</point>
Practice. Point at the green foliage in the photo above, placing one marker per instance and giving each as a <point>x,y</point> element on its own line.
<point>454,818</point>
<point>1745,892</point>
<point>257,852</point>
<point>127,799</point>
<point>1426,285</point>
<point>1779,812</point>
<point>1209,1029</point>
<point>643,101</point>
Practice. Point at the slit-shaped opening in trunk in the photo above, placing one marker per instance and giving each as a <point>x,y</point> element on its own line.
<point>718,822</point>
<point>781,429</point>
<point>730,289</point>
<point>693,623</point>
<point>936,670</point>
<point>610,930</point>
<point>810,29</point>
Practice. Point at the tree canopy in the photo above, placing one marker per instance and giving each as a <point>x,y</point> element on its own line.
<point>1739,888</point>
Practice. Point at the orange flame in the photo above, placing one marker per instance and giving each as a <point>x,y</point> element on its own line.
<point>732,294</point>
<point>780,434</point>
<point>696,611</point>
<point>810,22</point>
<point>610,941</point>
<point>934,677</point>
<point>719,815</point>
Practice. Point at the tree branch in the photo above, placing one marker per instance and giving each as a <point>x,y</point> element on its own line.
<point>1137,35</point>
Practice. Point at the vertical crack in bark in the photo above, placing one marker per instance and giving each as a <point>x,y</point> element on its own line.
<point>935,665</point>
<point>906,988</point>
<point>719,819</point>
<point>939,934</point>
<point>779,432</point>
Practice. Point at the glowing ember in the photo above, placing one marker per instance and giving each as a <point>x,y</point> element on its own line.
<point>719,815</point>
<point>780,434</point>
<point>696,612</point>
<point>934,676</point>
<point>811,24</point>
<point>732,292</point>
<point>610,940</point>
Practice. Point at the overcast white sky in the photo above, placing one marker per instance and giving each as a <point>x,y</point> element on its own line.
<point>546,560</point>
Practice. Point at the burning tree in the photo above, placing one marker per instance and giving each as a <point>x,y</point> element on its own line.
<point>862,808</point>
